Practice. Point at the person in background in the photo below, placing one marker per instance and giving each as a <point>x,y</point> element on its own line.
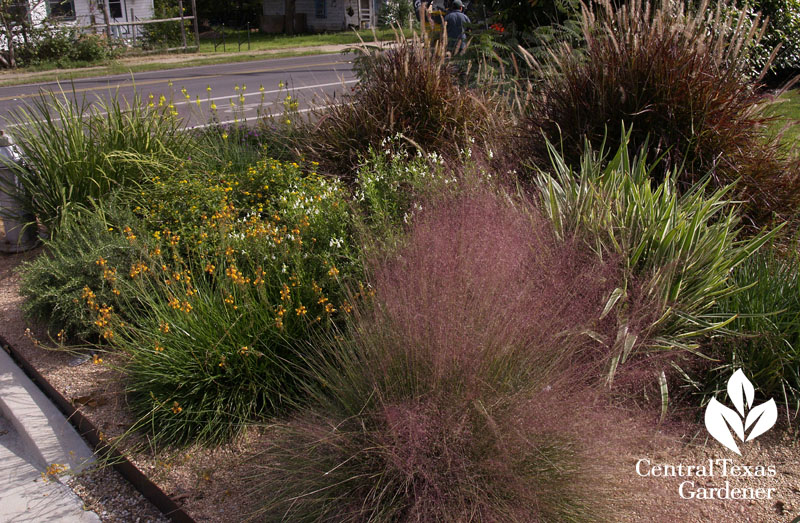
<point>455,21</point>
<point>422,7</point>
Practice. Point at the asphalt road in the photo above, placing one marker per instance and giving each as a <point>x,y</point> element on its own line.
<point>309,80</point>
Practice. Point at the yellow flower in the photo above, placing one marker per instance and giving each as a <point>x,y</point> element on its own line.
<point>159,348</point>
<point>164,327</point>
<point>333,272</point>
<point>97,360</point>
<point>138,268</point>
<point>176,407</point>
<point>301,310</point>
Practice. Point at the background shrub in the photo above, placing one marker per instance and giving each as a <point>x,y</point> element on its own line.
<point>63,46</point>
<point>165,34</point>
<point>396,13</point>
<point>783,29</point>
<point>680,79</point>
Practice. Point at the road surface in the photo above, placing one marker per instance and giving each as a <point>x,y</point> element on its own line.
<point>229,91</point>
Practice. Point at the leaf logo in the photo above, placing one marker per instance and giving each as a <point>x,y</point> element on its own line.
<point>721,420</point>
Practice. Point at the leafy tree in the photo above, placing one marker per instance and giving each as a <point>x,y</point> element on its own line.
<point>783,28</point>
<point>16,22</point>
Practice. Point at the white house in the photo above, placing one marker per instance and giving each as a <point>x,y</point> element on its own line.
<point>84,13</point>
<point>317,16</point>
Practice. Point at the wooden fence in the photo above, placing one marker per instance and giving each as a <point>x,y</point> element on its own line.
<point>108,25</point>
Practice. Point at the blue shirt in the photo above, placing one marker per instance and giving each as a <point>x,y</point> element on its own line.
<point>455,21</point>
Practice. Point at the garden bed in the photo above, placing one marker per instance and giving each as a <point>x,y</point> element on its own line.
<point>211,483</point>
<point>416,308</point>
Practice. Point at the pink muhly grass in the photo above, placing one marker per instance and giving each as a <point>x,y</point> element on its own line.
<point>467,389</point>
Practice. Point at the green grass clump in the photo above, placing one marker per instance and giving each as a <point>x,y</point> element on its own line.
<point>765,339</point>
<point>77,153</point>
<point>678,249</point>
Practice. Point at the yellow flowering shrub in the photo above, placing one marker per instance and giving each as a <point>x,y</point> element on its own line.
<point>237,268</point>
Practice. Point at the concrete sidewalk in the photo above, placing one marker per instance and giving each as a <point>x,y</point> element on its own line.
<point>35,439</point>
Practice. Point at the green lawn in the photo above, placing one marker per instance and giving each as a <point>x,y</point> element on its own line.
<point>259,41</point>
<point>787,112</point>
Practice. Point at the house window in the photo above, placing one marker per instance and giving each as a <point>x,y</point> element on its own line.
<point>64,9</point>
<point>115,8</point>
<point>320,9</point>
<point>18,10</point>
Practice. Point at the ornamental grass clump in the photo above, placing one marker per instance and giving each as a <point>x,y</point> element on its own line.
<point>234,269</point>
<point>680,77</point>
<point>76,153</point>
<point>766,332</point>
<point>464,390</point>
<point>408,90</point>
<point>677,250</point>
